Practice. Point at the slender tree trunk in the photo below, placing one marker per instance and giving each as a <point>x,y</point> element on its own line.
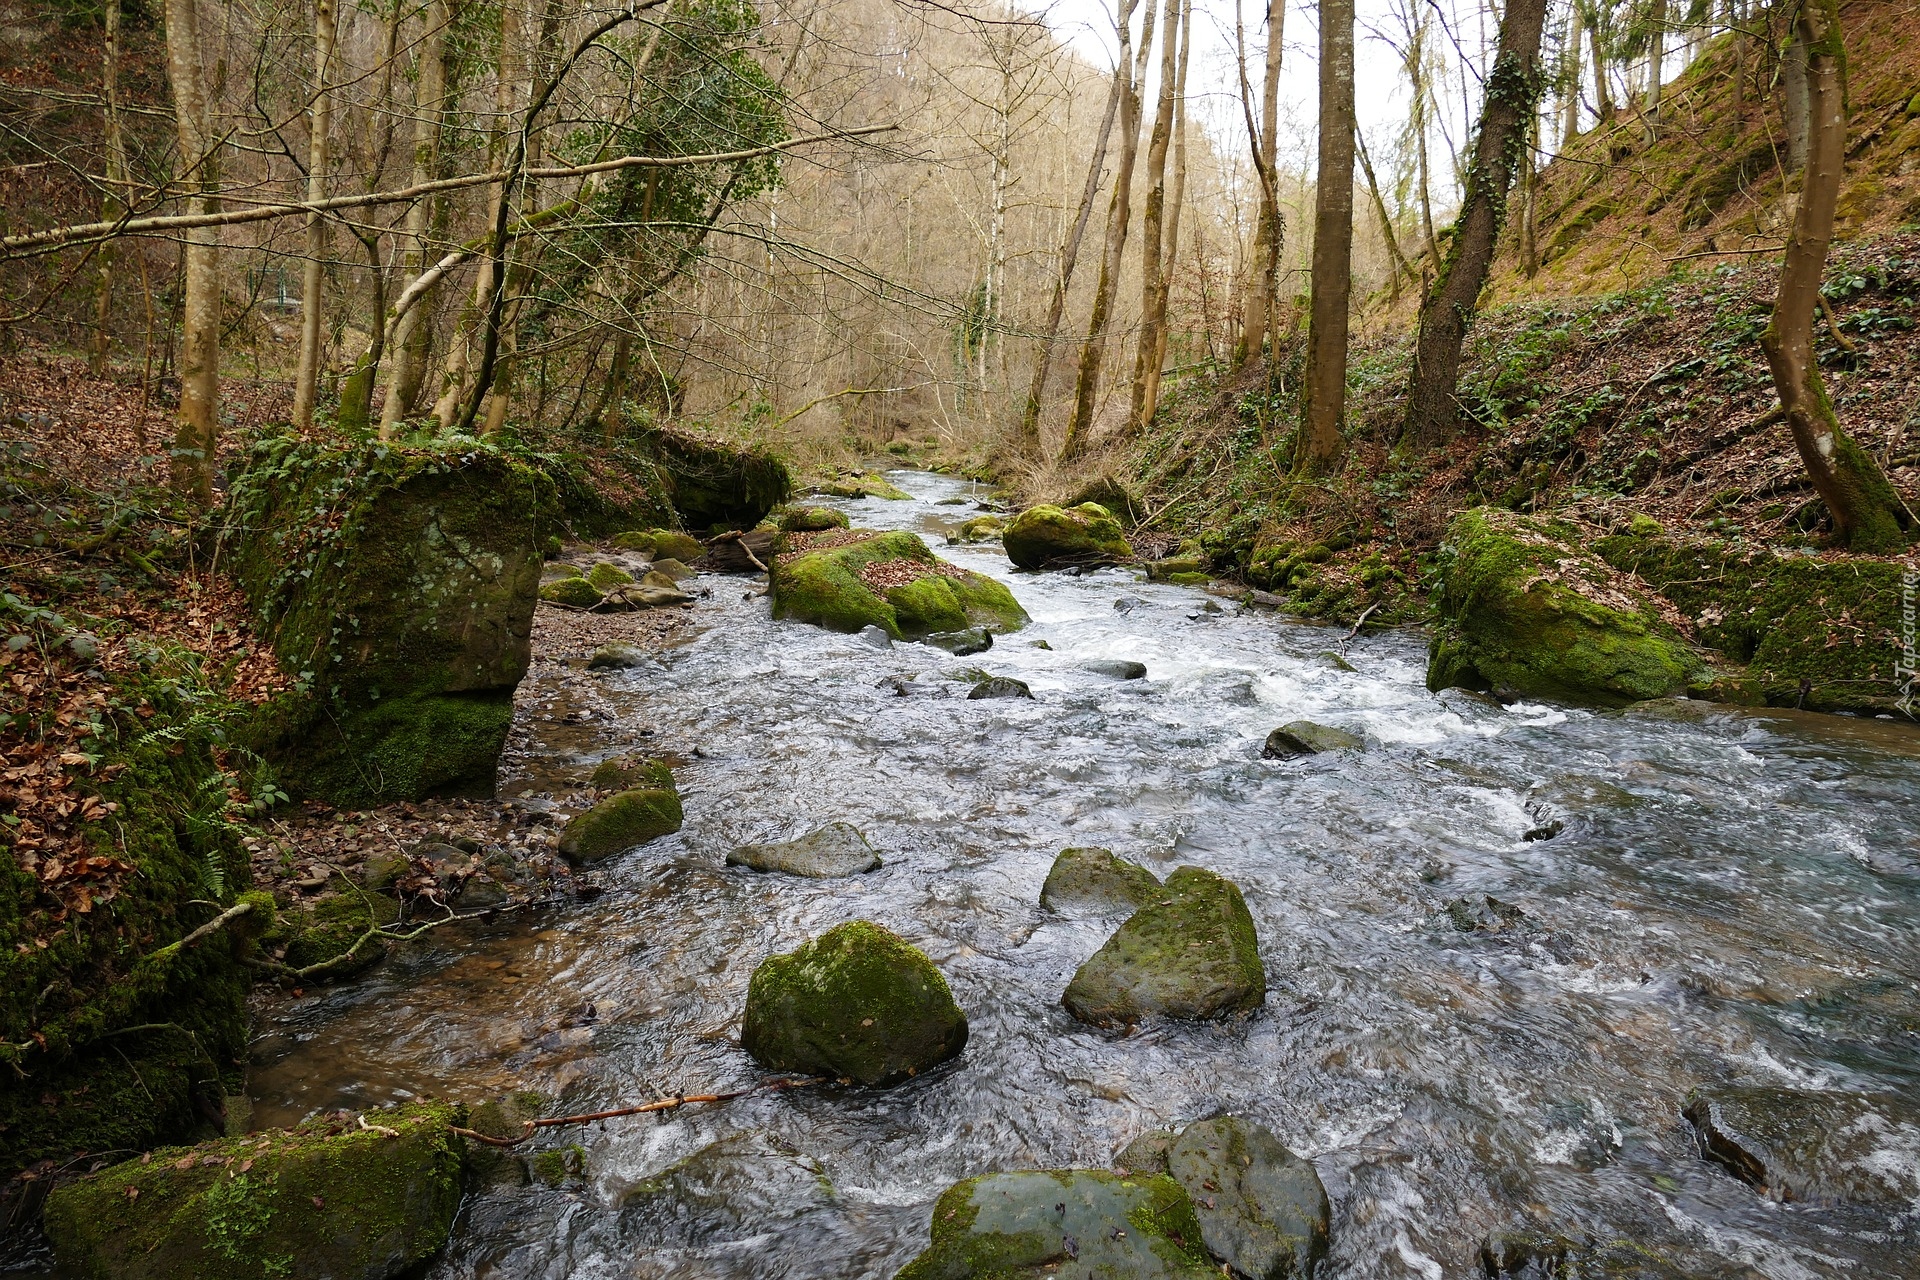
<point>1512,100</point>
<point>1602,91</point>
<point>1153,226</point>
<point>1570,81</point>
<point>1798,108</point>
<point>1086,390</point>
<point>355,413</point>
<point>1529,209</point>
<point>1029,437</point>
<point>1400,264</point>
<point>411,337</point>
<point>313,307</point>
<point>1263,284</point>
<point>1177,201</point>
<point>113,204</point>
<point>197,423</point>
<point>1324,407</point>
<point>1867,514</point>
<point>1656,59</point>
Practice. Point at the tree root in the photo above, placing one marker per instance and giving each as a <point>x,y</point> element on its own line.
<point>530,1127</point>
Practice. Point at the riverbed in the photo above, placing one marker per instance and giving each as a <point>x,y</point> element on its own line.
<point>1709,896</point>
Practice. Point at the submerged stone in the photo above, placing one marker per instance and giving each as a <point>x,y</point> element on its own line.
<point>621,821</point>
<point>874,636</point>
<point>857,1003</point>
<point>1050,537</point>
<point>629,773</point>
<point>326,1199</point>
<point>890,581</point>
<point>1526,611</point>
<point>1097,880</point>
<point>1484,913</point>
<point>1118,668</point>
<point>1305,738</point>
<point>1539,1256</point>
<point>1190,953</point>
<point>1819,1148</point>
<point>837,849</point>
<point>1262,1209</point>
<point>961,644</point>
<point>999,687</point>
<point>1065,1222</point>
<point>732,1190</point>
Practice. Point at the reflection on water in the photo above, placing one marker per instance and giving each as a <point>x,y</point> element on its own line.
<point>1730,897</point>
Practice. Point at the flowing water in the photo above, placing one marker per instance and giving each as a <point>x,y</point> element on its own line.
<point>1731,897</point>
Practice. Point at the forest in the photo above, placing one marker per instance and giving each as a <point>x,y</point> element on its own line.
<point>945,638</point>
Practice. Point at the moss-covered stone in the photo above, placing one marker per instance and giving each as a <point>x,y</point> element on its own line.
<point>606,575</point>
<point>1190,953</point>
<point>812,520</point>
<point>621,821</point>
<point>1821,632</point>
<point>1097,880</point>
<point>744,1186</point>
<point>672,570</point>
<point>397,586</point>
<point>1262,1209</point>
<point>1305,738</point>
<point>826,587</point>
<point>1012,1226</point>
<point>327,1199</point>
<point>1528,1255</point>
<point>857,1003</point>
<point>980,529</point>
<point>628,773</point>
<point>1812,1147</point>
<point>863,486</point>
<point>719,482</point>
<point>1523,610</point>
<point>337,929</point>
<point>664,544</point>
<point>1047,536</point>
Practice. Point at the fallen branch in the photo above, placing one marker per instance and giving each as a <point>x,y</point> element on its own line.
<point>530,1127</point>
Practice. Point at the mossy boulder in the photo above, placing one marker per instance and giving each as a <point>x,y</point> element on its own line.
<point>1812,1147</point>
<point>866,485</point>
<point>672,570</point>
<point>1524,611</point>
<point>917,593</point>
<point>718,482</point>
<point>1305,738</point>
<point>1012,1226</point>
<point>628,773</point>
<point>1189,953</point>
<point>1262,1209</point>
<point>1047,536</point>
<point>979,529</point>
<point>605,576</point>
<point>857,1003</point>
<point>575,592</point>
<point>812,520</point>
<point>397,586</point>
<point>1097,880</point>
<point>329,1198</point>
<point>339,932</point>
<point>837,849</point>
<point>742,1188</point>
<point>619,822</point>
<point>661,544</point>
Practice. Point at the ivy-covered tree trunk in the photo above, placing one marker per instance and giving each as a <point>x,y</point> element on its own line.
<point>1513,97</point>
<point>1867,514</point>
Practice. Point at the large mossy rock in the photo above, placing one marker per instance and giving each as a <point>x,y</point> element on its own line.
<point>621,821</point>
<point>1262,1209</point>
<point>1097,880</point>
<point>857,1003</point>
<point>891,581</point>
<point>1067,1222</point>
<point>1819,1148</point>
<point>397,585</point>
<point>1189,953</point>
<point>716,482</point>
<point>1046,536</point>
<point>329,1199</point>
<point>1524,611</point>
<point>1799,630</point>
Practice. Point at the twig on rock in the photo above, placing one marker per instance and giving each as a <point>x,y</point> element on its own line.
<point>530,1127</point>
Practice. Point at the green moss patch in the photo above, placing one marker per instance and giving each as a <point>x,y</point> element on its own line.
<point>620,822</point>
<point>1191,952</point>
<point>831,587</point>
<point>1047,536</point>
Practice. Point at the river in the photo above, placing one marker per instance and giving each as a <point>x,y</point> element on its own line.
<point>1731,896</point>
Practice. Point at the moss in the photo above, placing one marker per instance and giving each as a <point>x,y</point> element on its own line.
<point>979,529</point>
<point>337,925</point>
<point>812,520</point>
<point>620,822</point>
<point>415,744</point>
<point>575,592</point>
<point>713,482</point>
<point>863,486</point>
<point>1808,631</point>
<point>605,576</point>
<point>559,1165</point>
<point>1716,189</point>
<point>1524,611</point>
<point>328,1198</point>
<point>1045,536</point>
<point>1097,879</point>
<point>626,773</point>
<point>665,544</point>
<point>1190,953</point>
<point>857,1003</point>
<point>825,587</point>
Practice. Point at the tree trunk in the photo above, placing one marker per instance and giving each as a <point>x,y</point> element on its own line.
<point>1175,203</point>
<point>1422,164</point>
<point>1798,109</point>
<point>1400,264</point>
<point>1263,282</point>
<point>355,413</point>
<point>411,336</point>
<point>1153,298</point>
<point>113,204</point>
<point>306,378</point>
<point>1324,410</point>
<point>1570,81</point>
<point>1867,514</point>
<point>1512,99</point>
<point>1602,91</point>
<point>1656,58</point>
<point>1086,387</point>
<point>1529,209</point>
<point>197,423</point>
<point>1028,440</point>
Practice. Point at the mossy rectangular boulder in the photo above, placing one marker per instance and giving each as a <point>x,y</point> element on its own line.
<point>1190,952</point>
<point>891,581</point>
<point>621,821</point>
<point>1047,536</point>
<point>330,1198</point>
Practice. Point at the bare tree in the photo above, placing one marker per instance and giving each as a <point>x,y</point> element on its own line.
<point>1324,406</point>
<point>1153,238</point>
<point>1570,79</point>
<point>313,307</point>
<point>113,202</point>
<point>1263,264</point>
<point>1656,59</point>
<point>197,423</point>
<point>1867,514</point>
<point>410,337</point>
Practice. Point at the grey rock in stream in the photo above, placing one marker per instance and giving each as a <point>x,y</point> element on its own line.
<point>1526,1255</point>
<point>1097,880</point>
<point>736,1189</point>
<point>618,657</point>
<point>874,636</point>
<point>837,849</point>
<point>1189,953</point>
<point>1305,738</point>
<point>1000,687</point>
<point>1484,913</point>
<point>1262,1209</point>
<point>1118,668</point>
<point>961,644</point>
<point>1063,1222</point>
<point>1819,1148</point>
